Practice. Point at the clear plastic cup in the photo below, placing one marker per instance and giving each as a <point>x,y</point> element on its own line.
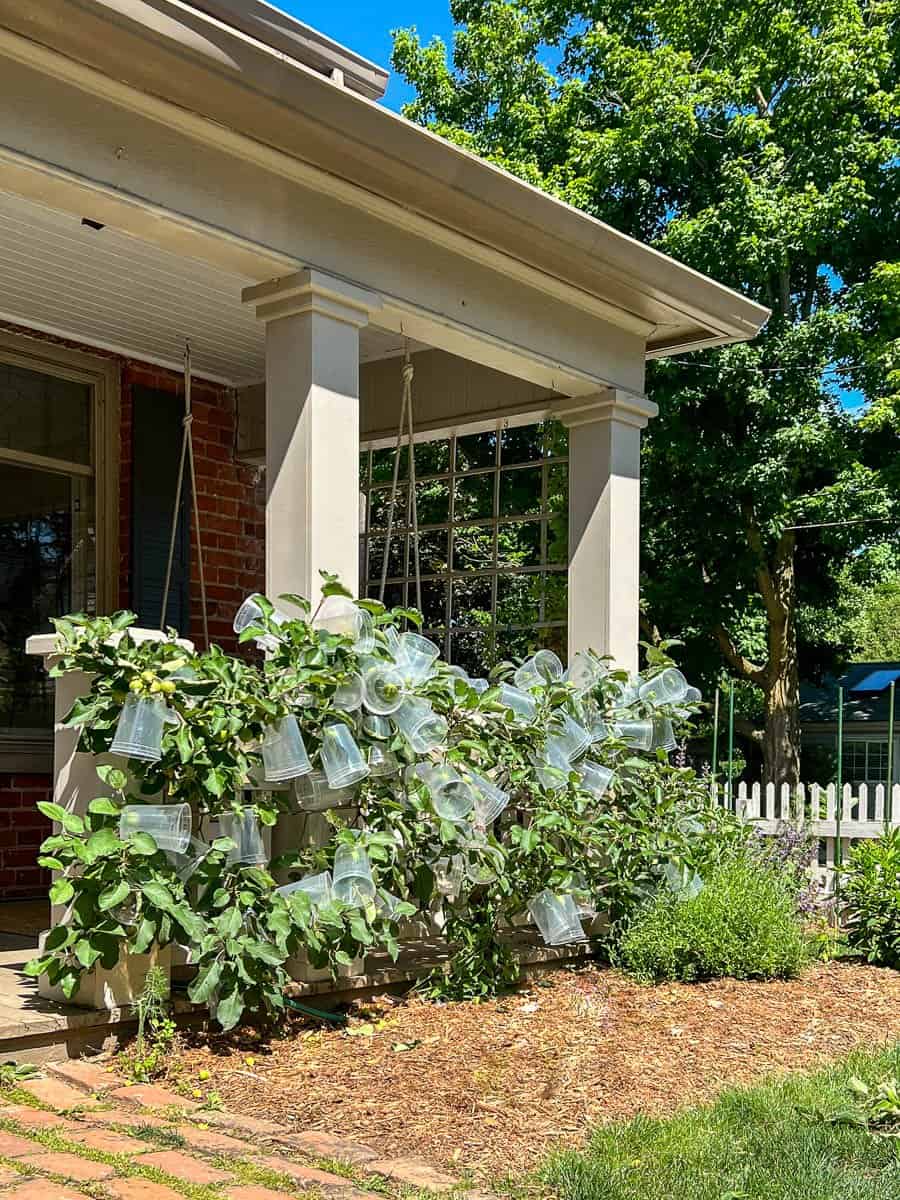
<point>542,668</point>
<point>382,688</point>
<point>416,656</point>
<point>480,685</point>
<point>637,734</point>
<point>625,693</point>
<point>490,800</point>
<point>187,862</point>
<point>521,704</point>
<point>381,762</point>
<point>283,752</point>
<point>422,727</point>
<point>139,731</point>
<point>552,767</point>
<point>583,672</point>
<point>684,883</point>
<point>572,738</point>
<point>378,727</point>
<point>693,696</point>
<point>245,831</point>
<point>452,798</point>
<point>448,876</point>
<point>338,615</point>
<point>668,687</point>
<point>317,887</point>
<point>352,880</point>
<point>348,696</point>
<point>593,777</point>
<point>250,613</point>
<point>557,918</point>
<point>365,637</point>
<point>387,904</point>
<point>663,734</point>
<point>314,794</point>
<point>168,824</point>
<point>342,759</point>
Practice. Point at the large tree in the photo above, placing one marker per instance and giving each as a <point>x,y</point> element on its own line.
<point>756,140</point>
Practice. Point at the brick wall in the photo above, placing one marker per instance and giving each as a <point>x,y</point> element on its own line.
<point>232,521</point>
<point>231,502</point>
<point>22,829</point>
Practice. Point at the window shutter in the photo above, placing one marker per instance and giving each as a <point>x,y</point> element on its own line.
<point>157,433</point>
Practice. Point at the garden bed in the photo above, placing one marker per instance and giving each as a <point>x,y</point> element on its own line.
<point>492,1086</point>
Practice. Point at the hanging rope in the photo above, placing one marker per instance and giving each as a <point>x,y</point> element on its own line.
<point>187,456</point>
<point>412,509</point>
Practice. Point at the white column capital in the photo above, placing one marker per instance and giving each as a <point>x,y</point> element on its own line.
<point>312,291</point>
<point>627,408</point>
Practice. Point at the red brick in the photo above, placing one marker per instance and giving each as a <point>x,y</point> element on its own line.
<point>13,1145</point>
<point>127,1119</point>
<point>8,1176</point>
<point>56,1093</point>
<point>212,1142</point>
<point>417,1174</point>
<point>326,1145</point>
<point>243,1124</point>
<point>87,1076</point>
<point>71,1166</point>
<point>148,1095</point>
<point>108,1142</point>
<point>305,1177</point>
<point>253,1192</point>
<point>35,1118</point>
<point>43,1189</point>
<point>182,1166</point>
<point>142,1189</point>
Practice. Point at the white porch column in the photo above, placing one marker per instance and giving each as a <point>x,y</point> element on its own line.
<point>312,428</point>
<point>605,522</point>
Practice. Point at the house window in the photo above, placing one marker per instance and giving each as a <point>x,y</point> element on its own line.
<point>53,414</point>
<point>865,761</point>
<point>493,539</point>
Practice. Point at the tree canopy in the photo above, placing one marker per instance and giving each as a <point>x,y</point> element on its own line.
<point>759,142</point>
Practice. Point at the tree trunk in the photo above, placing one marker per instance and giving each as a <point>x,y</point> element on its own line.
<point>781,740</point>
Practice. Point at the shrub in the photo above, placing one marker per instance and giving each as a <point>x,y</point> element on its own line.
<point>871,893</point>
<point>742,923</point>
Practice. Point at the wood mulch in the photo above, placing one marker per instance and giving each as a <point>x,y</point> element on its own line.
<point>491,1087</point>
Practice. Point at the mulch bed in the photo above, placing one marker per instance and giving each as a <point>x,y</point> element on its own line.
<point>492,1086</point>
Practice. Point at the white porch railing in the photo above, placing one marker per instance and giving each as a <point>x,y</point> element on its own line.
<point>865,812</point>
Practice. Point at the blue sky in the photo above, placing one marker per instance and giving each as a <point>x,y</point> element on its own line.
<point>366,27</point>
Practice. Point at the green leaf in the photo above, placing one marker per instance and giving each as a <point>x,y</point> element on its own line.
<point>86,954</point>
<point>113,777</point>
<point>73,823</point>
<point>113,896</point>
<point>61,891</point>
<point>102,843</point>
<point>229,1010</point>
<point>143,938</point>
<point>142,843</point>
<point>54,812</point>
<point>157,894</point>
<point>37,966</point>
<point>58,936</point>
<point>202,988</point>
<point>104,807</point>
<point>263,951</point>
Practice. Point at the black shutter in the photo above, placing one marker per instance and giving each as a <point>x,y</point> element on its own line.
<point>157,433</point>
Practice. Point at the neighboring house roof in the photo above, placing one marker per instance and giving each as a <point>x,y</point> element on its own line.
<point>866,694</point>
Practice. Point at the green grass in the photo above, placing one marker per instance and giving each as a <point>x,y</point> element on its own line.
<point>751,1144</point>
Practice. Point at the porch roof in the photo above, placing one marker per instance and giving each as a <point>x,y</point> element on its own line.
<point>378,161</point>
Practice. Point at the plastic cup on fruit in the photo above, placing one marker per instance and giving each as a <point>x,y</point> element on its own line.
<point>348,696</point>
<point>668,687</point>
<point>573,739</point>
<point>351,875</point>
<point>490,800</point>
<point>583,672</point>
<point>416,656</point>
<point>314,794</point>
<point>283,752</point>
<point>551,766</point>
<point>382,688</point>
<point>636,734</point>
<point>188,861</point>
<point>139,730</point>
<point>364,642</point>
<point>448,876</point>
<point>423,728</point>
<point>342,759</point>
<point>251,613</point>
<point>244,830</point>
<point>317,887</point>
<point>381,762</point>
<point>593,777</point>
<point>663,734</point>
<point>521,704</point>
<point>557,918</point>
<point>377,726</point>
<point>542,668</point>
<point>452,798</point>
<point>168,824</point>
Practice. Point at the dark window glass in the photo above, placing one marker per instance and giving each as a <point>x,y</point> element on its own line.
<point>474,498</point>
<point>476,450</point>
<point>41,414</point>
<point>520,492</point>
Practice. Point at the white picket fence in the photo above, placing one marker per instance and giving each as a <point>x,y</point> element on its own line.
<point>865,812</point>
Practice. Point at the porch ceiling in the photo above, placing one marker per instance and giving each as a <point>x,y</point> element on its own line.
<point>113,291</point>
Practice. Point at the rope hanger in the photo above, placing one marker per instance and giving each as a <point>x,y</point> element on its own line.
<point>187,455</point>
<point>412,508</point>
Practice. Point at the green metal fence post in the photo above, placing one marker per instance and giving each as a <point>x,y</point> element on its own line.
<point>715,745</point>
<point>839,802</point>
<point>731,745</point>
<point>889,797</point>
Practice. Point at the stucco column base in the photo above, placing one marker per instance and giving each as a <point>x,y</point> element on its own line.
<point>75,784</point>
<point>605,522</point>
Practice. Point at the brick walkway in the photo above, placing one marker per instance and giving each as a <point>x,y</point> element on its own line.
<point>82,1133</point>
